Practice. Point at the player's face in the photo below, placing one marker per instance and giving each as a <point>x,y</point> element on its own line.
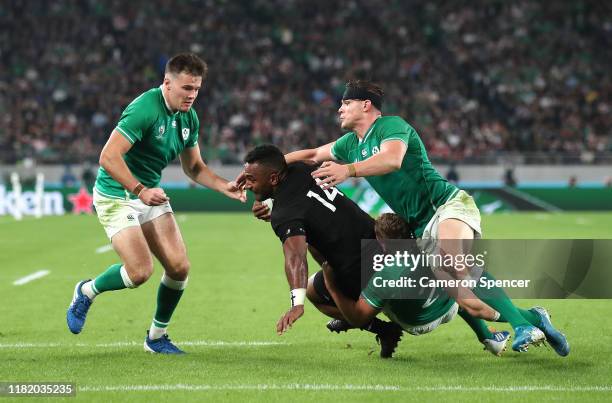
<point>351,111</point>
<point>182,90</point>
<point>259,180</point>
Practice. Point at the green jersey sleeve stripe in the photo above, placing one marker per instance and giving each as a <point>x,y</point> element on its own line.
<point>372,303</point>
<point>127,136</point>
<point>394,138</point>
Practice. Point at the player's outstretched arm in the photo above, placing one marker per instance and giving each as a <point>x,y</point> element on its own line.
<point>111,159</point>
<point>318,154</point>
<point>195,168</point>
<point>296,269</point>
<point>389,159</point>
<point>358,313</point>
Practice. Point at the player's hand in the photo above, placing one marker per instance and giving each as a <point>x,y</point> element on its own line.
<point>233,191</point>
<point>153,196</point>
<point>261,211</point>
<point>331,174</point>
<point>287,320</point>
<point>240,179</point>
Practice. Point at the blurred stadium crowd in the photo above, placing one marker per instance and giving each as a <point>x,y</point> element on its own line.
<point>477,79</point>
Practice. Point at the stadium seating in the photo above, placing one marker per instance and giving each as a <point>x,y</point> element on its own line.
<point>479,80</point>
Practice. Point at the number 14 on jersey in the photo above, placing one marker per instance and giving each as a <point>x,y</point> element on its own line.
<point>330,192</point>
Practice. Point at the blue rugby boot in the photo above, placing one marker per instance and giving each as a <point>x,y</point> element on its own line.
<point>163,345</point>
<point>524,336</point>
<point>555,338</point>
<point>77,311</point>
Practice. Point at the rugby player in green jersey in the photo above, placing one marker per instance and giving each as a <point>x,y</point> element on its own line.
<point>388,153</point>
<point>135,212</point>
<point>417,312</point>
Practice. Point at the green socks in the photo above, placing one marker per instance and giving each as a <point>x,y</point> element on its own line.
<point>529,316</point>
<point>168,294</point>
<point>168,297</point>
<point>478,325</point>
<point>497,299</point>
<point>114,278</point>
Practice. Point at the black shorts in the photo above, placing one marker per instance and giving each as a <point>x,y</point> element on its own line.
<point>349,287</point>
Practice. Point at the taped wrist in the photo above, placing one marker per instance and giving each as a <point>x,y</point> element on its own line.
<point>298,295</point>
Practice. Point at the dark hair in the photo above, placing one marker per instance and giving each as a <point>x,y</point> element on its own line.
<point>392,226</point>
<point>187,63</point>
<point>363,89</point>
<point>268,155</point>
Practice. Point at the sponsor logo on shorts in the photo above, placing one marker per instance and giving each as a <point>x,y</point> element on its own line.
<point>130,217</point>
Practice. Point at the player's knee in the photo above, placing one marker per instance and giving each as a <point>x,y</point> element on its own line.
<point>179,270</point>
<point>140,278</point>
<point>140,274</point>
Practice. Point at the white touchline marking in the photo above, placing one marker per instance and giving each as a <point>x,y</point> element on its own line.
<point>346,387</point>
<point>104,249</point>
<point>195,388</point>
<point>205,343</point>
<point>31,277</point>
<point>181,218</point>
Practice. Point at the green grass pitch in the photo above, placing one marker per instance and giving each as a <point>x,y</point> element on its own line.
<point>226,322</point>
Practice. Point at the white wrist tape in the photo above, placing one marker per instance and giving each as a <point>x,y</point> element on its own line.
<point>298,295</point>
<point>269,203</point>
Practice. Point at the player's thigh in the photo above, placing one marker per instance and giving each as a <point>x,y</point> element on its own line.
<point>131,246</point>
<point>452,228</point>
<point>454,237</point>
<point>166,243</point>
<point>312,293</point>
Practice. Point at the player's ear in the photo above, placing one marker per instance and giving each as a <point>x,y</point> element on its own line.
<point>274,178</point>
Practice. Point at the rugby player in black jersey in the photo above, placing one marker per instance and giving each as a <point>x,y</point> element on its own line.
<point>306,215</point>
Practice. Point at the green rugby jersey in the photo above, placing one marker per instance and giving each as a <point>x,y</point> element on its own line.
<point>414,191</point>
<point>158,136</point>
<point>404,305</point>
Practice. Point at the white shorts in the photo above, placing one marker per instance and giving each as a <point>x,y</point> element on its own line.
<point>429,327</point>
<point>461,207</point>
<point>117,214</point>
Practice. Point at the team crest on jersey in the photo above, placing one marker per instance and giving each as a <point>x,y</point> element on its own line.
<point>375,150</point>
<point>364,152</point>
<point>174,123</point>
<point>185,133</point>
<point>160,132</point>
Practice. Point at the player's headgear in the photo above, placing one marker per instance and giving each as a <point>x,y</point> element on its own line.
<point>360,89</point>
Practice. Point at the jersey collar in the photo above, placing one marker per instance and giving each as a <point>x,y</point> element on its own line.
<point>168,109</point>
<point>369,130</point>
